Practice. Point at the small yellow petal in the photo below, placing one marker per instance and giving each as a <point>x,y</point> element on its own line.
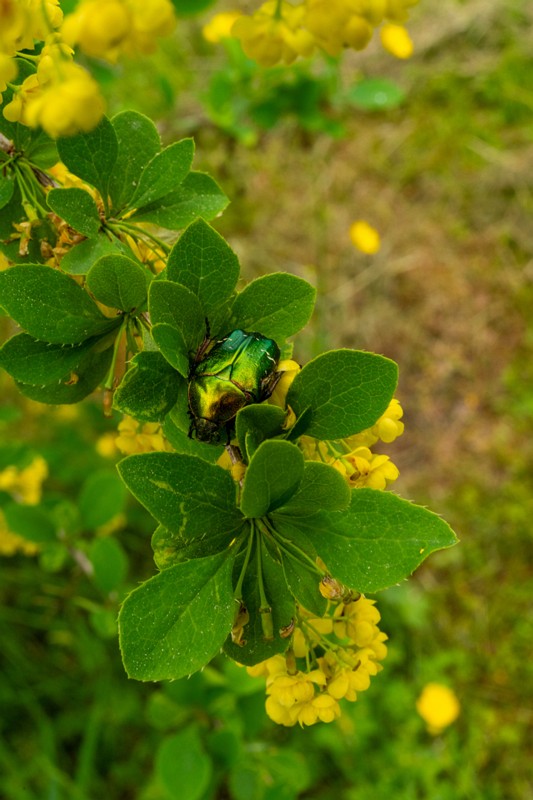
<point>396,40</point>
<point>364,237</point>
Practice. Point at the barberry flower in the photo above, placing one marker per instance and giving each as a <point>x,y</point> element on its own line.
<point>219,27</point>
<point>331,658</point>
<point>364,237</point>
<point>438,706</point>
<point>134,437</point>
<point>396,40</point>
<point>25,483</point>
<point>274,33</point>
<point>110,28</point>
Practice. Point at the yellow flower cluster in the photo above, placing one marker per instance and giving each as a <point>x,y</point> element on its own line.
<point>352,456</point>
<point>24,21</point>
<point>280,31</point>
<point>341,652</point>
<point>25,486</point>
<point>61,97</point>
<point>136,437</point>
<point>111,28</point>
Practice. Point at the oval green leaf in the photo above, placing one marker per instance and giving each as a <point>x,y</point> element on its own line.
<point>176,622</point>
<point>342,392</point>
<point>118,282</point>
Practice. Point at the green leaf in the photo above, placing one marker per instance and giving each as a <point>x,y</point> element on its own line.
<point>30,522</point>
<point>379,541</point>
<point>42,150</point>
<point>164,173</point>
<point>118,282</point>
<point>276,305</point>
<point>176,622</point>
<point>257,647</point>
<point>73,388</point>
<point>50,305</point>
<point>184,493</point>
<point>171,548</point>
<point>375,94</point>
<point>178,306</point>
<point>291,540</point>
<point>204,262</point>
<point>322,488</point>
<point>197,196</point>
<point>182,766</point>
<point>81,257</point>
<point>255,423</point>
<point>304,585</point>
<point>149,389</point>
<point>272,477</point>
<point>110,564</point>
<point>102,497</point>
<point>91,156</point>
<point>138,142</point>
<point>7,185</point>
<point>31,361</point>
<point>77,207</point>
<point>343,391</point>
<point>172,346</point>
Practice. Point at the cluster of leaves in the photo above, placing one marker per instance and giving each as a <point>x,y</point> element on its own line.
<point>220,546</point>
<point>69,346</point>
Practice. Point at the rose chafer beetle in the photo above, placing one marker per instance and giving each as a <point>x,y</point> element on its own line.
<point>234,372</point>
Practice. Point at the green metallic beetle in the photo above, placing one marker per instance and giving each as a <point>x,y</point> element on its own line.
<point>237,370</point>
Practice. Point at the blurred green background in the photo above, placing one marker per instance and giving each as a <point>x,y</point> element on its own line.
<point>437,154</point>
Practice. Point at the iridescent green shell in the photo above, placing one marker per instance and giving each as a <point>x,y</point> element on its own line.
<point>238,370</point>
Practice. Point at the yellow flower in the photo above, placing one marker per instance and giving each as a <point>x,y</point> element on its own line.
<point>25,484</point>
<point>134,438</point>
<point>364,237</point>
<point>361,468</point>
<point>274,33</point>
<point>396,40</point>
<point>62,98</point>
<point>98,28</point>
<point>219,27</point>
<point>111,28</point>
<point>289,370</point>
<point>438,706</point>
<point>22,21</point>
<point>8,71</point>
<point>106,445</point>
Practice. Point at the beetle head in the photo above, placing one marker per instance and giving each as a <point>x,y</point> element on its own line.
<point>206,430</point>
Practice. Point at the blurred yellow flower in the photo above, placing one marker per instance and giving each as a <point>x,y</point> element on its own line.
<point>364,237</point>
<point>438,706</point>
<point>25,484</point>
<point>106,445</point>
<point>396,40</point>
<point>219,27</point>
